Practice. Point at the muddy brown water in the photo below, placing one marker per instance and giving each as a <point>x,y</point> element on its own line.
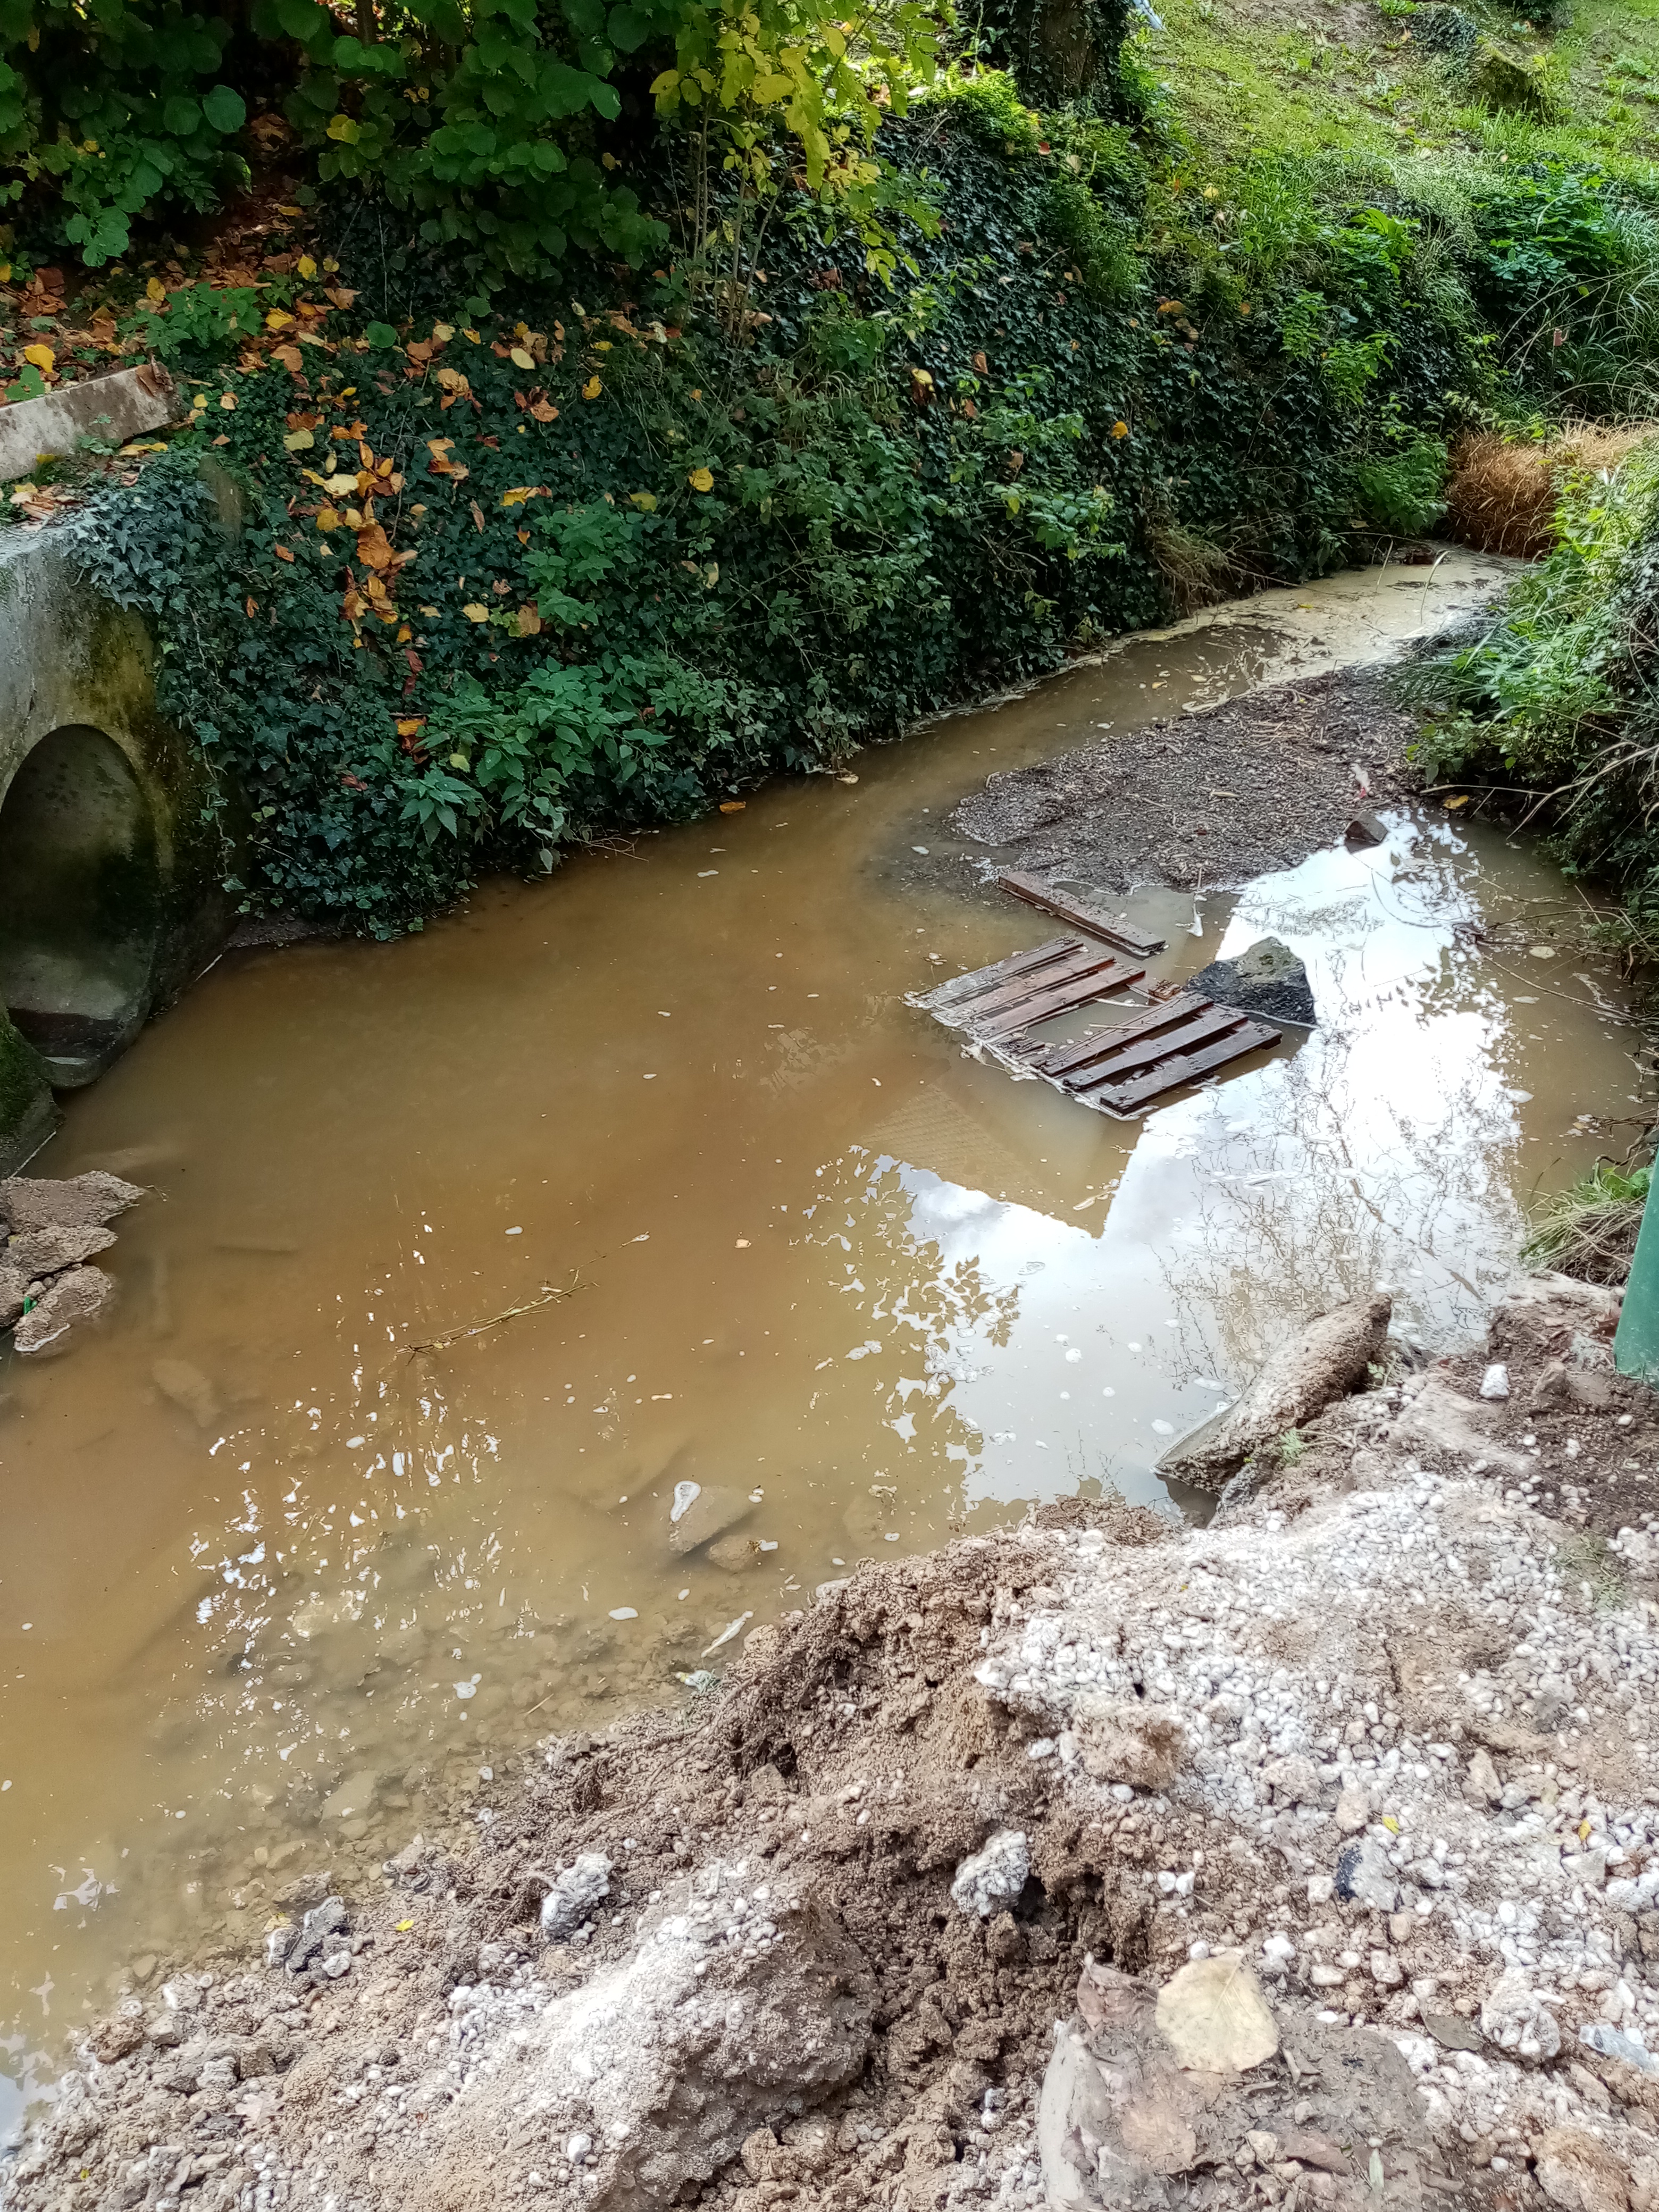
<point>278,1589</point>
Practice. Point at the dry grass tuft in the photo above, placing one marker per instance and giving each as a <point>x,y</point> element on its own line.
<point>1197,572</point>
<point>1501,498</point>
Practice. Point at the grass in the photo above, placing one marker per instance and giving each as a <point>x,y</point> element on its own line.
<point>1590,1228</point>
<point>1338,77</point>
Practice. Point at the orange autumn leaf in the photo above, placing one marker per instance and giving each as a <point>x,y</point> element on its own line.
<point>374,548</point>
<point>282,552</point>
<point>542,412</point>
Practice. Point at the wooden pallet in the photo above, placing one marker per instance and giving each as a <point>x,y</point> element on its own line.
<point>1120,1071</point>
<point>1124,1069</point>
<point>997,1004</point>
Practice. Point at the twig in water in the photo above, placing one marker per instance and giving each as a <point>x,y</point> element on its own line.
<point>549,1292</point>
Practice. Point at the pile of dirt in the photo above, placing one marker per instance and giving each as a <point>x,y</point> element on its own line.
<point>1312,1857</point>
<point>1250,785</point>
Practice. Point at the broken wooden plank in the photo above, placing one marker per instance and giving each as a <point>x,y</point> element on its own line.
<point>1082,989</point>
<point>958,988</point>
<point>1061,1060</point>
<point>1146,1052</point>
<point>1130,1097</point>
<point>1120,933</point>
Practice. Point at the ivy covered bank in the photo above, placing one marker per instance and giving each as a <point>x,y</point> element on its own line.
<point>611,407</point>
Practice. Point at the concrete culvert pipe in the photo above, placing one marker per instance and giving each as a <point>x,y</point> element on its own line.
<point>110,853</point>
<point>80,902</point>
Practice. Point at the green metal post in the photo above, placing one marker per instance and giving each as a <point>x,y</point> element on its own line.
<point>1636,1348</point>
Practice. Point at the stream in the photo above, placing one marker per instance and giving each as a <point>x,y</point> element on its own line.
<point>280,1587</point>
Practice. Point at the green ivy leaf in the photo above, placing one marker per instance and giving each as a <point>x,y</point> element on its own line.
<point>381,335</point>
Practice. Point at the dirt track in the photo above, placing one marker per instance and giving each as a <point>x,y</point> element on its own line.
<point>1430,1636</point>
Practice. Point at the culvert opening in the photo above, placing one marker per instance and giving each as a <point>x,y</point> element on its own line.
<point>80,902</point>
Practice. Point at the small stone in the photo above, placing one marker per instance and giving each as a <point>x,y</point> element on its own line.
<point>1364,1876</point>
<point>1320,1888</point>
<point>1293,1780</point>
<point>992,1877</point>
<point>1387,1969</point>
<point>115,2039</point>
<point>1594,1393</point>
<point>1364,831</point>
<point>735,1553</point>
<point>1515,2017</point>
<point>1495,1382</point>
<point>1481,1781</point>
<point>578,2148</point>
<point>1600,2036</point>
<point>279,1942</point>
<point>574,1894</point>
<point>1353,1809</point>
<point>1402,1926</point>
<point>1452,2032</point>
<point>355,1795</point>
<point>1589,1868</point>
<point>703,1510</point>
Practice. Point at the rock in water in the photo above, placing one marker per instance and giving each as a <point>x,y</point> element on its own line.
<point>188,1388</point>
<point>701,1510</point>
<point>1267,979</point>
<point>68,1304</point>
<point>1326,1361</point>
<point>46,1251</point>
<point>82,1201</point>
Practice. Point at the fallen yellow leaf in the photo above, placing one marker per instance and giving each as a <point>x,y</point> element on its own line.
<point>645,500</point>
<point>278,319</point>
<point>592,388</point>
<point>521,357</point>
<point>297,441</point>
<point>227,398</point>
<point>328,518</point>
<point>702,480</point>
<point>1120,430</point>
<point>403,1927</point>
<point>42,356</point>
<point>476,611</point>
<point>156,289</point>
<point>305,265</point>
<point>518,496</point>
<point>408,729</point>
<point>734,805</point>
<point>443,333</point>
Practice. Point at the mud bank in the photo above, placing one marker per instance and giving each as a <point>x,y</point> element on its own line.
<point>1387,1730</point>
<point>1215,794</point>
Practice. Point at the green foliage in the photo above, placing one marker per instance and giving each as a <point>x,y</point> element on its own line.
<point>1404,492</point>
<point>1590,1228</point>
<point>1559,696</point>
<point>105,122</point>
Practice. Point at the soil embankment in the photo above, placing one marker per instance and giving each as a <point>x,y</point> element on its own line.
<point>1388,1728</point>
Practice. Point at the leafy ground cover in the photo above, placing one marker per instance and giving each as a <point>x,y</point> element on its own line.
<point>884,415</point>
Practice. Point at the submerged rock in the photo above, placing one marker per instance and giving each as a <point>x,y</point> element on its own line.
<point>1266,979</point>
